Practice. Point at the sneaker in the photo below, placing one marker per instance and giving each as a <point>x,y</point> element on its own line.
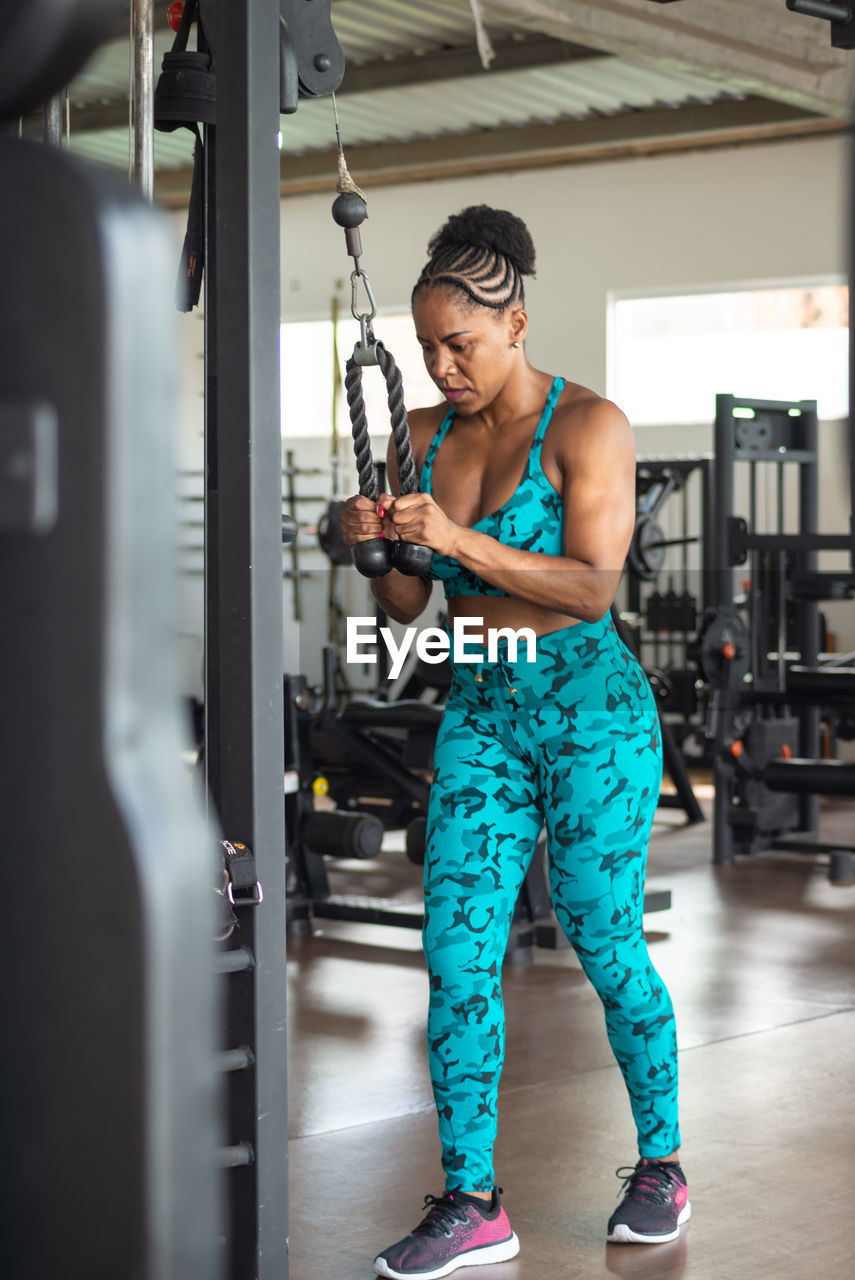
<point>457,1232</point>
<point>654,1206</point>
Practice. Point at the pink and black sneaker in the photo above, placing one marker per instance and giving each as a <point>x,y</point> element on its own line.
<point>654,1206</point>
<point>458,1231</point>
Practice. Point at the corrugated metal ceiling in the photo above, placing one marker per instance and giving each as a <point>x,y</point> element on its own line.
<point>415,77</point>
<point>491,99</point>
<point>112,146</point>
<point>107,75</point>
<point>563,91</point>
<point>395,28</point>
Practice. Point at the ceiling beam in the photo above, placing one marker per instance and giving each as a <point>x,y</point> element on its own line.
<point>752,46</point>
<point>635,133</point>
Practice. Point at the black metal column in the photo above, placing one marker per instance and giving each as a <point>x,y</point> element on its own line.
<point>243,694</point>
<point>722,487</point>
<point>851,431</point>
<point>709,563</point>
<point>807,639</point>
<point>720,592</point>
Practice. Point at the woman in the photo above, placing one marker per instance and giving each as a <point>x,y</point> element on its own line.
<point>570,739</point>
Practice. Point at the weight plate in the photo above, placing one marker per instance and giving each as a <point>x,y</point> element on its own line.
<point>647,549</point>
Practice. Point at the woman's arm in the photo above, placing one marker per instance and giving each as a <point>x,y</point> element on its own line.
<point>402,597</point>
<point>598,459</point>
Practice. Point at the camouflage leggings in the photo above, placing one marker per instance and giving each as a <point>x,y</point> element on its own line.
<point>572,741</point>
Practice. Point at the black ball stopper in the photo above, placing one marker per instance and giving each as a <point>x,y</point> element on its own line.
<point>349,209</point>
<point>373,557</point>
<point>411,558</point>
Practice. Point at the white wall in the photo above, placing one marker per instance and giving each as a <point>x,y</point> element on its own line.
<point>755,213</point>
<point>705,218</point>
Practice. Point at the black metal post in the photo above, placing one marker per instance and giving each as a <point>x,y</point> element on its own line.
<point>851,432</point>
<point>244,645</point>
<point>721,593</point>
<point>808,613</point>
<point>722,488</point>
<point>708,561</point>
<point>723,843</point>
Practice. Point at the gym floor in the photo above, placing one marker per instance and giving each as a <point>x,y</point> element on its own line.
<point>760,961</point>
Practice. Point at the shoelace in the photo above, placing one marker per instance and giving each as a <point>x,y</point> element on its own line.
<point>444,1213</point>
<point>651,1182</point>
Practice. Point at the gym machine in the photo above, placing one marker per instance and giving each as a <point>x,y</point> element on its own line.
<point>664,622</point>
<point>109,1000</point>
<point>372,760</point>
<point>254,60</point>
<point>659,626</point>
<point>840,16</point>
<point>768,689</point>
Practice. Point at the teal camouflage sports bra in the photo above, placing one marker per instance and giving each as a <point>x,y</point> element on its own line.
<point>530,520</point>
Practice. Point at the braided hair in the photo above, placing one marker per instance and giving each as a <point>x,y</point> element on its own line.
<point>484,253</point>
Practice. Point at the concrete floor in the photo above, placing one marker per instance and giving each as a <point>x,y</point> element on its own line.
<point>760,961</point>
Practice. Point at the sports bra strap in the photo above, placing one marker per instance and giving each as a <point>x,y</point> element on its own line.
<point>545,418</point>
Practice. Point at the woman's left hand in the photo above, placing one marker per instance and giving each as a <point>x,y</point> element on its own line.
<point>416,518</point>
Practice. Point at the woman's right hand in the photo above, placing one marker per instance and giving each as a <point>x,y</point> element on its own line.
<point>360,521</point>
<point>402,597</point>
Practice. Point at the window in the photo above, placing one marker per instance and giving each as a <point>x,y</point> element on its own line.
<point>306,353</point>
<point>669,356</point>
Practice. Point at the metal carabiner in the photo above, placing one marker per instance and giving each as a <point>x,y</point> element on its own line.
<point>367,316</point>
<point>365,351</point>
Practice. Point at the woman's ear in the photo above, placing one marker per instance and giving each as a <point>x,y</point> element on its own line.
<point>518,325</point>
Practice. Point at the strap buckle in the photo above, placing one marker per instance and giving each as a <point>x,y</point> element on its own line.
<point>253,899</point>
<point>243,889</point>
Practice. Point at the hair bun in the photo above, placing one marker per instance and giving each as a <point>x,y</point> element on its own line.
<point>482,227</point>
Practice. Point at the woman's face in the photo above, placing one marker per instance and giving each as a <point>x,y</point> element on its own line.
<point>468,350</point>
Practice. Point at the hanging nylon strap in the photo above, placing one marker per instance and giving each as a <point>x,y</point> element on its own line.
<point>185,96</point>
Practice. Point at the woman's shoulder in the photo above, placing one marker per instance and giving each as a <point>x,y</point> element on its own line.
<point>582,413</point>
<point>588,434</point>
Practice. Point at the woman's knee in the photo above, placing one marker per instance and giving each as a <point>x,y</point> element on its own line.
<point>623,976</point>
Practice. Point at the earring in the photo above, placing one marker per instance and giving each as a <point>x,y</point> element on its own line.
<point>515,344</point>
